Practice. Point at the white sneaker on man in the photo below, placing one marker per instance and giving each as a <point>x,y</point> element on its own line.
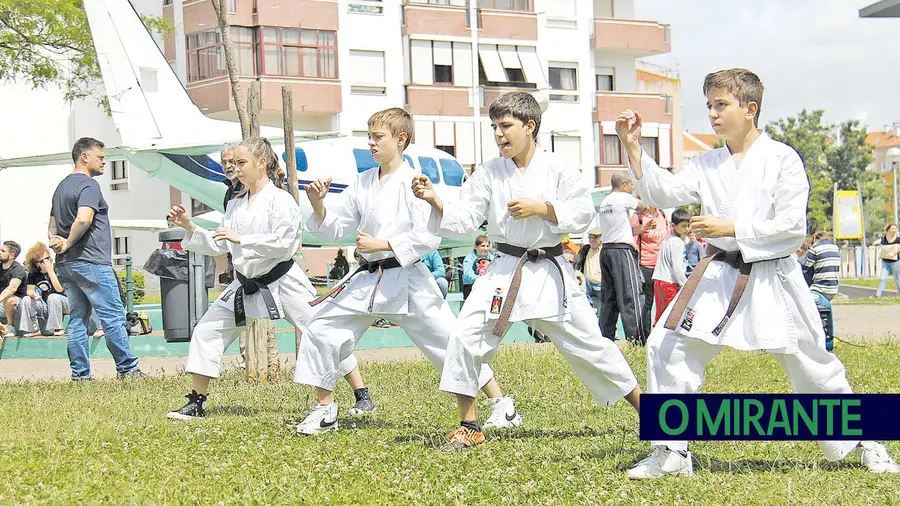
<point>662,462</point>
<point>875,458</point>
<point>503,414</point>
<point>321,419</point>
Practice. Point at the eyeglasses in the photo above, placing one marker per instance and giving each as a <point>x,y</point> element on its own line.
<point>593,236</point>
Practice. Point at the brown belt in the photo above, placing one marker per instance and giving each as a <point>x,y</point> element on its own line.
<point>525,255</point>
<point>377,266</point>
<point>734,259</point>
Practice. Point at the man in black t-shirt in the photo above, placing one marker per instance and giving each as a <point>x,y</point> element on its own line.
<point>12,284</point>
<point>80,234</point>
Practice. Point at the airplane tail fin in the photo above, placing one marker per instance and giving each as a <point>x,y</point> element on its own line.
<point>149,105</point>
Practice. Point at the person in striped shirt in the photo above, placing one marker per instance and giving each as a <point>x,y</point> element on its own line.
<point>821,267</point>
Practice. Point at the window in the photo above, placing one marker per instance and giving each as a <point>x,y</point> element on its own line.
<point>612,150</point>
<point>297,52</point>
<point>119,170</point>
<point>450,150</point>
<point>507,5</point>
<point>453,172</point>
<point>198,208</point>
<point>443,74</point>
<point>606,79</point>
<point>564,79</point>
<point>367,72</point>
<point>121,248</point>
<point>651,147</point>
<point>364,160</point>
<point>429,168</point>
<point>515,66</point>
<point>515,76</point>
<point>668,104</point>
<point>459,3</point>
<point>365,7</point>
<point>206,53</point>
<point>232,6</point>
<point>167,2</point>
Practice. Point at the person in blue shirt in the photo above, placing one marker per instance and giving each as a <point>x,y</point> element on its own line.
<point>436,265</point>
<point>475,264</point>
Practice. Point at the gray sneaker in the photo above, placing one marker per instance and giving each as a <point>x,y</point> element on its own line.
<point>133,374</point>
<point>364,403</point>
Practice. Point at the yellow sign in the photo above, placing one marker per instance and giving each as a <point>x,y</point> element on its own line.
<point>848,219</point>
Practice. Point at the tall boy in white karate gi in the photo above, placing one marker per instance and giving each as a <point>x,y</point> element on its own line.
<point>390,282</point>
<point>752,295</point>
<point>532,199</point>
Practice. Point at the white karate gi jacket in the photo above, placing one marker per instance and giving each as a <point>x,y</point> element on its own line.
<point>766,198</point>
<point>392,213</point>
<point>548,178</point>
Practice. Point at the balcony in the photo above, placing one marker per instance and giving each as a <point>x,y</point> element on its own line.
<point>437,100</point>
<point>653,107</point>
<point>495,20</point>
<point>310,96</point>
<point>635,38</point>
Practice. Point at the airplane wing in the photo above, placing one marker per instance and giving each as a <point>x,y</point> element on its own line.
<point>112,155</point>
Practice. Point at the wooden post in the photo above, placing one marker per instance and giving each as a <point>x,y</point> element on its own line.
<point>254,102</point>
<point>287,101</point>
<point>262,347</point>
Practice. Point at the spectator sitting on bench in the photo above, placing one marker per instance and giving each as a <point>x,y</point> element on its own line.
<point>46,300</point>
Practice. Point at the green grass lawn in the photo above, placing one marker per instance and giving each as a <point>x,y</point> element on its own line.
<point>108,442</point>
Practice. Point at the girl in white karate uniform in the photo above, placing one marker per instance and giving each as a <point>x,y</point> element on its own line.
<point>754,193</point>
<point>261,230</point>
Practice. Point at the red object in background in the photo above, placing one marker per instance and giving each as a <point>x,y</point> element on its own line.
<point>664,293</point>
<point>175,245</point>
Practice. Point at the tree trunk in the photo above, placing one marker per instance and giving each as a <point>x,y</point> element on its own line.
<point>254,103</point>
<point>222,17</point>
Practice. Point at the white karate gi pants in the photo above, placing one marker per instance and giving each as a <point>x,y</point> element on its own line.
<point>675,364</point>
<point>596,360</point>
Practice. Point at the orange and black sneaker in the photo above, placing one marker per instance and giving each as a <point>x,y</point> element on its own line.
<point>463,438</point>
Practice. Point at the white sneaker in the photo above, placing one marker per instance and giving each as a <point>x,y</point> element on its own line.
<point>662,462</point>
<point>503,414</point>
<point>321,419</point>
<point>875,458</point>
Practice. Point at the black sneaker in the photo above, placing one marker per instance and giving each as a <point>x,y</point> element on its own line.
<point>364,404</point>
<point>133,374</point>
<point>193,410</point>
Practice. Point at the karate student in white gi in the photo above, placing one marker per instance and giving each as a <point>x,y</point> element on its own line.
<point>261,230</point>
<point>390,281</point>
<point>754,193</point>
<point>531,200</point>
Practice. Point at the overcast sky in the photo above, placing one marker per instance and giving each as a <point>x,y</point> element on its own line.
<point>813,54</point>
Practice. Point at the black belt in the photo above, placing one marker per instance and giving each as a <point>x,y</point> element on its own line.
<point>376,266</point>
<point>525,255</point>
<point>260,284</point>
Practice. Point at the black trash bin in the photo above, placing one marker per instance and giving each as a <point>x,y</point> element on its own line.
<point>184,282</point>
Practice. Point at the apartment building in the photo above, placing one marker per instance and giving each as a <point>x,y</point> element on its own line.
<point>444,63</point>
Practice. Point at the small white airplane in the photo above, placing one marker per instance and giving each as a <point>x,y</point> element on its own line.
<point>165,134</point>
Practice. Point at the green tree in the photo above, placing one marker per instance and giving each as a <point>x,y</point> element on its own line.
<point>48,42</point>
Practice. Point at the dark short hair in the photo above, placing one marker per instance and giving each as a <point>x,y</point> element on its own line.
<point>84,144</point>
<point>619,178</point>
<point>680,215</point>
<point>520,105</point>
<point>14,248</point>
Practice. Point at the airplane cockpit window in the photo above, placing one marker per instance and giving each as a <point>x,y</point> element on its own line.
<point>453,172</point>
<point>300,155</point>
<point>364,160</point>
<point>409,161</point>
<point>430,169</point>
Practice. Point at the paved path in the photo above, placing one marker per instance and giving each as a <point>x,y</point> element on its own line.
<point>862,292</point>
<point>855,324</point>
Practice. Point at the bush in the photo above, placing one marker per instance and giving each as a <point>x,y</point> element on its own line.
<point>140,288</point>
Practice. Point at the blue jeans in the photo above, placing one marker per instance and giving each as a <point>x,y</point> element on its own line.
<point>889,269</point>
<point>94,286</point>
<point>593,292</point>
<point>824,307</point>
